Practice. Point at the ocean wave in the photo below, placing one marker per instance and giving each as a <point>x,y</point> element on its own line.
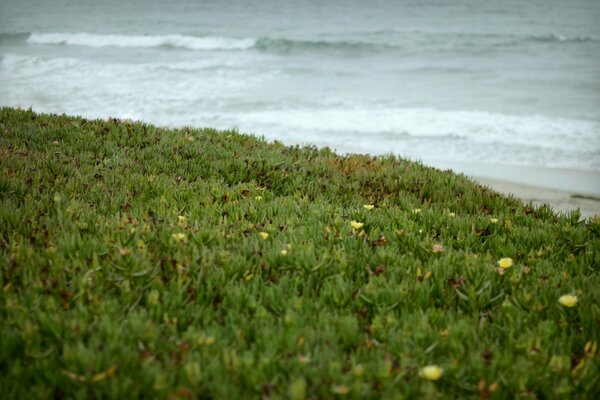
<point>201,43</point>
<point>550,37</point>
<point>35,64</point>
<point>555,38</point>
<point>19,62</point>
<point>289,45</point>
<point>113,40</point>
<point>393,124</point>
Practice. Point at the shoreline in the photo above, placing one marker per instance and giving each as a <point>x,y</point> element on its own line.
<point>560,201</point>
<point>564,190</point>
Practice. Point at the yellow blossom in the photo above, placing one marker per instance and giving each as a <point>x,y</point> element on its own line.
<point>206,340</point>
<point>181,220</point>
<point>452,215</point>
<point>356,225</point>
<point>431,372</point>
<point>368,206</point>
<point>505,262</point>
<point>179,237</point>
<point>303,359</point>
<point>494,220</point>
<point>264,235</point>
<point>284,252</point>
<point>416,211</point>
<point>359,370</point>
<point>340,389</point>
<point>568,300</point>
<point>258,198</point>
<point>591,348</point>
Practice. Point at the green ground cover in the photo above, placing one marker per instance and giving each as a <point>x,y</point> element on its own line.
<point>137,261</point>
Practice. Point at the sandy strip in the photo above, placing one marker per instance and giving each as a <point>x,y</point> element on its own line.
<point>560,201</point>
<point>563,189</point>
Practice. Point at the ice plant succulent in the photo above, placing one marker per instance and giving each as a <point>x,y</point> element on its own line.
<point>568,300</point>
<point>431,372</point>
<point>226,282</point>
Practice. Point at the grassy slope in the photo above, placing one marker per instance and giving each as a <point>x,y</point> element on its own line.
<point>99,298</point>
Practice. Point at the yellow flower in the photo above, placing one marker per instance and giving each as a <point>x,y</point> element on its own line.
<point>591,348</point>
<point>494,220</point>
<point>359,370</point>
<point>369,207</point>
<point>264,235</point>
<point>356,225</point>
<point>179,237</point>
<point>452,215</point>
<point>181,220</point>
<point>303,359</point>
<point>505,263</point>
<point>416,211</point>
<point>431,372</point>
<point>568,300</point>
<point>340,389</point>
<point>258,198</point>
<point>284,252</point>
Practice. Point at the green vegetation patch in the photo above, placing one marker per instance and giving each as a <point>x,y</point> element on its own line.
<point>138,261</point>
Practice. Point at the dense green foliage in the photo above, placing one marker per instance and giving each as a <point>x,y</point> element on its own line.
<point>135,262</point>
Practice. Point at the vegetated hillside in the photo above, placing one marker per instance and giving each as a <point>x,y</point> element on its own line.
<point>137,261</point>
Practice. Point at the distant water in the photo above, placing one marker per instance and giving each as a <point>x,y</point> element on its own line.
<point>494,82</point>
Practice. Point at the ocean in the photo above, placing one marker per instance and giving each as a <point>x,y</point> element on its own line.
<point>510,82</point>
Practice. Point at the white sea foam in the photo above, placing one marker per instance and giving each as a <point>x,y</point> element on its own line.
<point>169,94</point>
<point>473,126</point>
<point>113,40</point>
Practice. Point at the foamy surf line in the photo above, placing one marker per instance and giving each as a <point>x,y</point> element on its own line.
<point>112,40</point>
<point>276,44</point>
<point>395,123</point>
<point>206,43</point>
